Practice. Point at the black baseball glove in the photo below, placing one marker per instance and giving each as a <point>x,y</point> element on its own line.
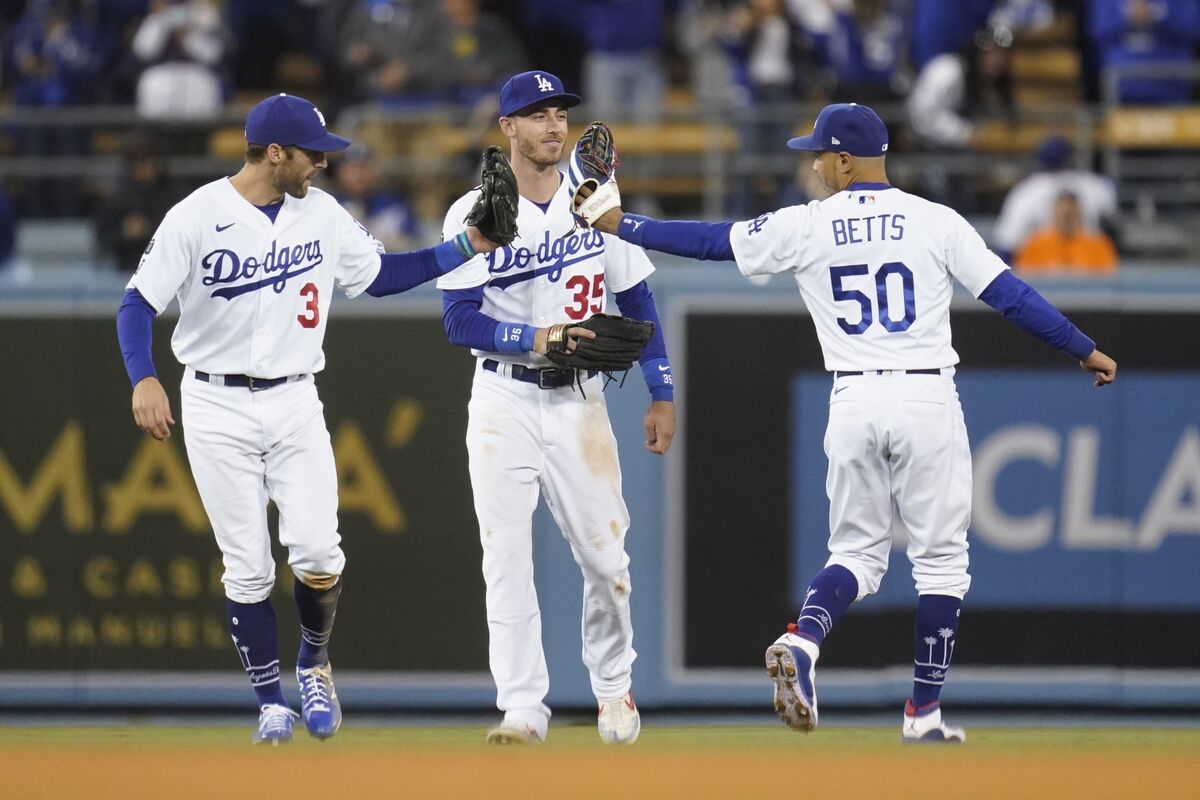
<point>618,343</point>
<point>495,210</point>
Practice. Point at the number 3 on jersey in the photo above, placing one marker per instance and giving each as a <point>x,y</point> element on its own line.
<point>312,309</point>
<point>838,274</point>
<point>585,290</point>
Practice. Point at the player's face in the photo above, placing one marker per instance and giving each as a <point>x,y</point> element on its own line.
<point>541,135</point>
<point>294,174</point>
<point>825,165</point>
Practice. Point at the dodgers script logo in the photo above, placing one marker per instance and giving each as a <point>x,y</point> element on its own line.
<point>552,257</point>
<point>277,267</point>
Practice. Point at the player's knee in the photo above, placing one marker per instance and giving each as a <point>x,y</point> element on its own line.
<point>320,582</point>
<point>249,589</point>
<point>322,563</point>
<point>867,571</point>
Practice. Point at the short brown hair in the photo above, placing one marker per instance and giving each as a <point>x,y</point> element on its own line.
<point>255,153</point>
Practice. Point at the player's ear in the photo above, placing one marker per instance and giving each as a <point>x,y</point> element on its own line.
<point>276,154</point>
<point>508,127</point>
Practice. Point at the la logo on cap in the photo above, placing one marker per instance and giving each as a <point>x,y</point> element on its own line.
<point>543,84</point>
<point>320,116</point>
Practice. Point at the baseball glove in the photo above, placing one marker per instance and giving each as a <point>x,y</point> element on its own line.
<point>495,210</point>
<point>593,165</point>
<point>618,343</point>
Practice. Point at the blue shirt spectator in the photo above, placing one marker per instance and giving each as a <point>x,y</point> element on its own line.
<point>53,57</point>
<point>1143,32</point>
<point>945,26</point>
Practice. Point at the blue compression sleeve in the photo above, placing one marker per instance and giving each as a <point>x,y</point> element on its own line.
<point>399,272</point>
<point>467,326</point>
<point>707,241</point>
<point>135,330</point>
<point>1024,307</point>
<point>638,303</point>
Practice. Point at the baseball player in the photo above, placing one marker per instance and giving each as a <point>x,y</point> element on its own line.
<point>530,430</point>
<point>253,260</point>
<point>874,265</point>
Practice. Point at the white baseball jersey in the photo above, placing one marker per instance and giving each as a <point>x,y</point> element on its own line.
<point>553,271</point>
<point>254,295</point>
<point>874,268</point>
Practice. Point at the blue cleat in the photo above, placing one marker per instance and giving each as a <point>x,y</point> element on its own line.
<point>791,664</point>
<point>274,725</point>
<point>925,725</point>
<point>319,703</point>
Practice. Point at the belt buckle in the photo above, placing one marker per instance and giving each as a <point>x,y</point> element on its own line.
<point>256,384</point>
<point>544,374</point>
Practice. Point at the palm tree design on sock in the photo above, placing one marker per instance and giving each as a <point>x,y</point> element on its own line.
<point>947,635</point>
<point>931,641</point>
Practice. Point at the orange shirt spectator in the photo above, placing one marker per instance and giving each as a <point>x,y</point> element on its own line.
<point>1065,246</point>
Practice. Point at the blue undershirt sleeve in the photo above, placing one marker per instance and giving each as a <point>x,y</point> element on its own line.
<point>135,330</point>
<point>1024,307</point>
<point>637,302</point>
<point>399,272</point>
<point>707,241</point>
<point>467,326</point>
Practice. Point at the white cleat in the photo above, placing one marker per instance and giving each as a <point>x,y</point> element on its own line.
<point>511,732</point>
<point>792,666</point>
<point>619,721</point>
<point>927,726</point>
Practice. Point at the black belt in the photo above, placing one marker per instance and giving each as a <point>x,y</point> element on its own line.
<point>843,373</point>
<point>544,378</point>
<point>245,381</point>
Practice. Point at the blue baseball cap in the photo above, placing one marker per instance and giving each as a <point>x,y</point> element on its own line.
<point>286,119</point>
<point>534,88</point>
<point>845,128</point>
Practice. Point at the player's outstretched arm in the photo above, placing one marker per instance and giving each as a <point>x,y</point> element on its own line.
<point>1101,366</point>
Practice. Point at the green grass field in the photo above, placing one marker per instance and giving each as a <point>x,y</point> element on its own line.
<point>693,762</point>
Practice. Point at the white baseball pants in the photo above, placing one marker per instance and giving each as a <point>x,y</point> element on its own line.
<point>522,440</point>
<point>246,448</point>
<point>897,444</point>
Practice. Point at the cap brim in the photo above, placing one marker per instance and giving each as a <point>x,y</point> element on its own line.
<point>328,143</point>
<point>565,99</point>
<point>804,143</point>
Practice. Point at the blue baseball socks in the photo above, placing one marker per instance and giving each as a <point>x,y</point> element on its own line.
<point>252,626</point>
<point>317,609</point>
<point>934,633</point>
<point>829,595</point>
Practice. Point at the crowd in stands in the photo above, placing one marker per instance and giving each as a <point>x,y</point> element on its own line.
<point>946,64</point>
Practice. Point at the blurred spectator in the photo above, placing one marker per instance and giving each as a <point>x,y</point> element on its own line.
<point>623,74</point>
<point>954,88</point>
<point>941,27</point>
<point>768,50</point>
<point>291,26</point>
<point>128,217</point>
<point>863,44</point>
<point>479,51</point>
<point>1031,201</point>
<point>1146,32</point>
<point>388,53</point>
<point>701,33</point>
<point>52,59</point>
<point>1066,246</point>
<point>383,213</point>
<point>183,45</point>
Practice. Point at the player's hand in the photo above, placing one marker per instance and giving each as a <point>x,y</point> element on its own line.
<point>573,334</point>
<point>1101,366</point>
<point>660,426</point>
<point>610,221</point>
<point>479,242</point>
<point>152,409</point>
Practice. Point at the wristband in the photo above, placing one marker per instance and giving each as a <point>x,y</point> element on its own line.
<point>514,337</point>
<point>463,242</point>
